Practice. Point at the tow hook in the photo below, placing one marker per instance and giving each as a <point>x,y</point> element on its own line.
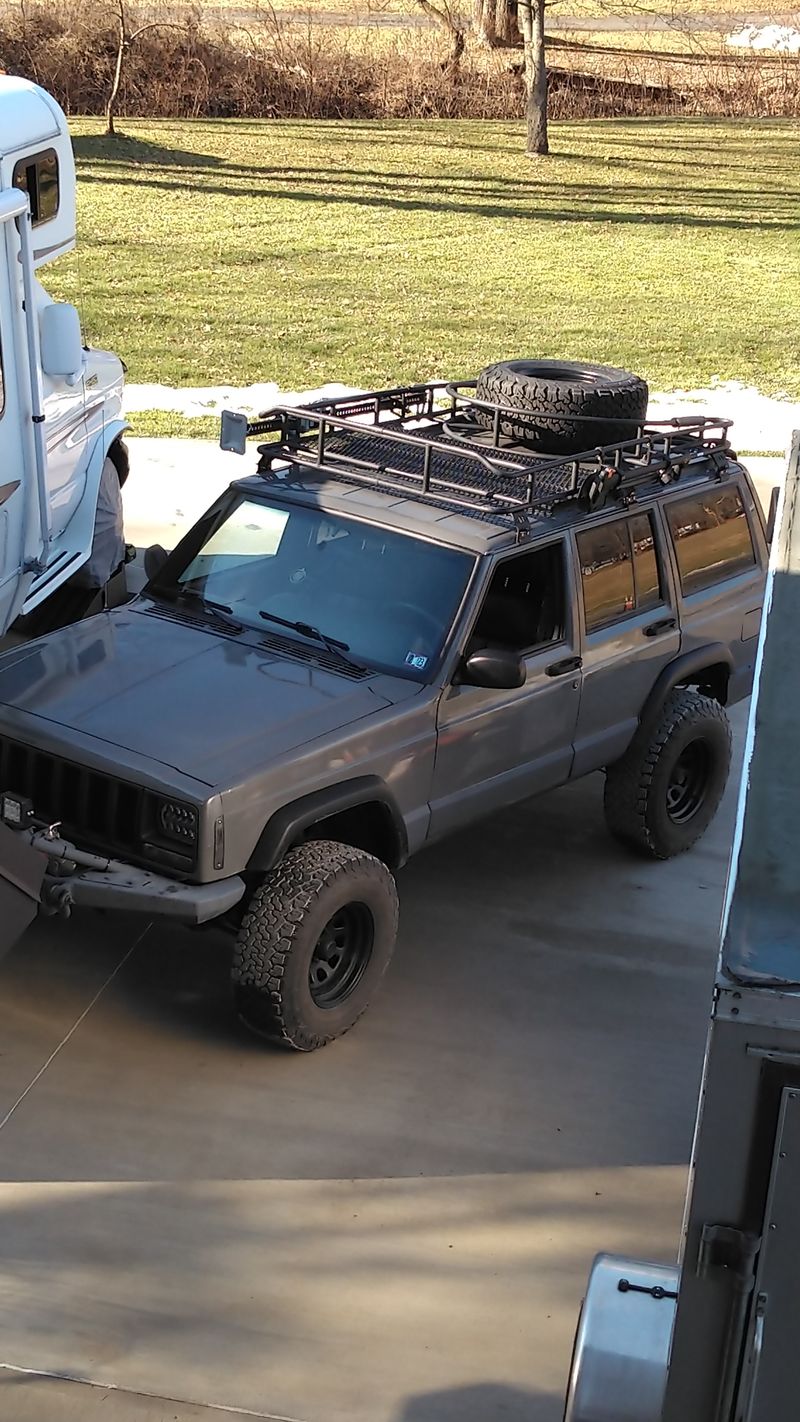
<point>56,899</point>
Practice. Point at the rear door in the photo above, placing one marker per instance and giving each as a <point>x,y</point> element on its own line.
<point>629,630</point>
<point>720,555</point>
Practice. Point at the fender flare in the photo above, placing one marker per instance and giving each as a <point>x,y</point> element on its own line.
<point>284,827</point>
<point>681,670</point>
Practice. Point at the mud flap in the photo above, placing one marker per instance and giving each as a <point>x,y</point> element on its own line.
<point>21,874</point>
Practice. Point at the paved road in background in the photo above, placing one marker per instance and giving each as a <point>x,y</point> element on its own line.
<point>721,21</point>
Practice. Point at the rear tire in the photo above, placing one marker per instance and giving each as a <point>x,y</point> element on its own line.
<point>664,792</point>
<point>314,944</point>
<point>549,394</point>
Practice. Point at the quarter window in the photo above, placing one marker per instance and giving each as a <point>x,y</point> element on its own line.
<point>619,570</point>
<point>711,537</point>
<point>38,177</point>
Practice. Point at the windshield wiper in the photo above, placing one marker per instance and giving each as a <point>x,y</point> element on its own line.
<point>218,610</point>
<point>305,629</point>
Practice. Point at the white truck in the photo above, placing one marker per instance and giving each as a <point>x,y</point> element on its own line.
<point>62,461</point>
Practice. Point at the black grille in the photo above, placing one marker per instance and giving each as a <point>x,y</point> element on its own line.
<point>97,811</point>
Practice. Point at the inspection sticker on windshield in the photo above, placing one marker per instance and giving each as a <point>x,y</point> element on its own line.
<point>419,663</point>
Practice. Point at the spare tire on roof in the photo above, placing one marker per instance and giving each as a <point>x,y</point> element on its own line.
<point>550,394</point>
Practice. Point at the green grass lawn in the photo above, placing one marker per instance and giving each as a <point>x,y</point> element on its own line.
<point>378,252</point>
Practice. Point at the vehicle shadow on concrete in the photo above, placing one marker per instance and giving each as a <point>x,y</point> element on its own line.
<point>482,1402</point>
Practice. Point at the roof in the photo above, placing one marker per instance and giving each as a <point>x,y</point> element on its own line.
<point>28,116</point>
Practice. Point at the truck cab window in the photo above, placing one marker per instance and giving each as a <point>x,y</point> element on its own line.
<point>524,607</point>
<point>37,176</point>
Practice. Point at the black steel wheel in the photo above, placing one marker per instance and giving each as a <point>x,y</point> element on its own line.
<point>316,939</point>
<point>664,792</point>
<point>340,958</point>
<point>689,782</point>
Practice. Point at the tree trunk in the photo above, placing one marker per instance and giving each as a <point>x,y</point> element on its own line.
<point>532,17</point>
<point>112,98</point>
<point>495,22</point>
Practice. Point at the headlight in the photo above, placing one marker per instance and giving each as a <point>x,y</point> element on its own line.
<point>178,822</point>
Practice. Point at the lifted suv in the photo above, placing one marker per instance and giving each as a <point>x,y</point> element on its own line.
<point>427,603</point>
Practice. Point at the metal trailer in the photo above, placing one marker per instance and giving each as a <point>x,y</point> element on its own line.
<point>714,1339</point>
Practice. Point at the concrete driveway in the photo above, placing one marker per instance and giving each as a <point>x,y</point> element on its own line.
<point>395,1229</point>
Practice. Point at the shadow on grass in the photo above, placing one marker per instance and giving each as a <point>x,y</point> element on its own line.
<point>647,214</point>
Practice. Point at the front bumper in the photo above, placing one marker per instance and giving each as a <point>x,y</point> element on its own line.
<point>76,879</point>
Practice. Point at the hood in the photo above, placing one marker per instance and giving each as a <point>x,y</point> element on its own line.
<point>211,706</point>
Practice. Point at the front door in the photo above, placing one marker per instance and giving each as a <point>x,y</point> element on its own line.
<point>495,747</point>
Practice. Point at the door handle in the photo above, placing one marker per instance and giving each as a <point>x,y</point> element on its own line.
<point>654,629</point>
<point>569,664</point>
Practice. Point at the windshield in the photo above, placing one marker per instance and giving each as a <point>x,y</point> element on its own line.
<point>387,599</point>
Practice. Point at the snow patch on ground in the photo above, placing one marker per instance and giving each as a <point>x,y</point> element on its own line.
<point>763,422</point>
<point>192,401</point>
<point>781,39</point>
<point>173,481</point>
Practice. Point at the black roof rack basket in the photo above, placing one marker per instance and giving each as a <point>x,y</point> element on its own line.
<point>448,458</point>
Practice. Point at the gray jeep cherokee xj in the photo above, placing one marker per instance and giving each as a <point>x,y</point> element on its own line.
<point>428,603</point>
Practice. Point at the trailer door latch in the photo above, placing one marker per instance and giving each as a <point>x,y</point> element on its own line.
<point>732,1250</point>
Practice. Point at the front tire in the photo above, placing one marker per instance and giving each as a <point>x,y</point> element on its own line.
<point>314,944</point>
<point>664,792</point>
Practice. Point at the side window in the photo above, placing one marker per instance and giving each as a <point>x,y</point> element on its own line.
<point>645,563</point>
<point>524,607</point>
<point>711,537</point>
<point>38,177</point>
<point>619,570</point>
<point>606,573</point>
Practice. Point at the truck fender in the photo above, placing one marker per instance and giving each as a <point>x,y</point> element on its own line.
<point>102,445</point>
<point>289,824</point>
<point>684,669</point>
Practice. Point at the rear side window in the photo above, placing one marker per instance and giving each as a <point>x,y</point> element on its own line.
<point>619,570</point>
<point>711,537</point>
<point>38,177</point>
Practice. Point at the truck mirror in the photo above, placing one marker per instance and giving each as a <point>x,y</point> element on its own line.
<point>62,342</point>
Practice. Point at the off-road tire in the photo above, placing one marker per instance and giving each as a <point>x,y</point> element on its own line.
<point>549,394</point>
<point>282,929</point>
<point>119,455</point>
<point>637,786</point>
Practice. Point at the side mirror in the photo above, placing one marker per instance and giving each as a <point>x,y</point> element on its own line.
<point>498,667</point>
<point>61,342</point>
<point>154,559</point>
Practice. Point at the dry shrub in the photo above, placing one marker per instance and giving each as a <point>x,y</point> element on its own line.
<point>262,69</point>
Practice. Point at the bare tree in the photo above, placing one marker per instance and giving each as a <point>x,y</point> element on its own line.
<point>445,13</point>
<point>125,39</point>
<point>531,14</point>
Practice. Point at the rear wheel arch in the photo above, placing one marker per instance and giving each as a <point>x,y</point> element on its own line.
<point>707,668</point>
